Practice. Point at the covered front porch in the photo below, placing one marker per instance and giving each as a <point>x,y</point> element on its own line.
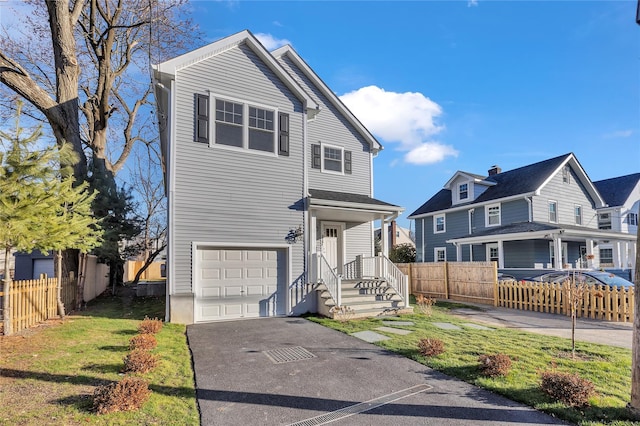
<point>547,246</point>
<point>342,261</point>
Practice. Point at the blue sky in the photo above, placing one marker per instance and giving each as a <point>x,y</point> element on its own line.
<point>464,85</point>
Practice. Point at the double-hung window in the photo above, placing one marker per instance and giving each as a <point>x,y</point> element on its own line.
<point>439,224</point>
<point>492,215</point>
<point>606,257</point>
<point>331,159</point>
<point>632,219</point>
<point>553,211</point>
<point>241,125</point>
<point>578,214</point>
<point>440,254</point>
<point>463,191</point>
<point>604,221</point>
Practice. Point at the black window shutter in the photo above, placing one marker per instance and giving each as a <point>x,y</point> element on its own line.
<point>347,162</point>
<point>316,160</point>
<point>283,139</point>
<point>202,118</point>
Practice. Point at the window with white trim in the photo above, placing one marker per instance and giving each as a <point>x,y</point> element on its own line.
<point>463,191</point>
<point>604,221</point>
<point>492,253</point>
<point>566,175</point>
<point>606,257</point>
<point>578,214</point>
<point>632,219</point>
<point>331,158</point>
<point>492,215</point>
<point>440,254</point>
<point>439,224</point>
<point>553,211</point>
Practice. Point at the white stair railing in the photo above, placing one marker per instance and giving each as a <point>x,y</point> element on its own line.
<point>330,278</point>
<point>381,267</point>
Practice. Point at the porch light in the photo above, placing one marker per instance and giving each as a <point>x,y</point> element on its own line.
<point>294,235</point>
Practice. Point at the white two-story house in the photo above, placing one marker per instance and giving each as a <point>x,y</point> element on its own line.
<point>269,179</point>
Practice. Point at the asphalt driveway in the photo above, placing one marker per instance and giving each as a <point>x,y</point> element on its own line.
<point>290,371</point>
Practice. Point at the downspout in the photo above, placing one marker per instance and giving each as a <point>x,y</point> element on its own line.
<point>170,185</point>
<point>306,263</point>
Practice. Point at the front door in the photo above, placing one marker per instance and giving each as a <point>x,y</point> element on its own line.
<point>332,244</point>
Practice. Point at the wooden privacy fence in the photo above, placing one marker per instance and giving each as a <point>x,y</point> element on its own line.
<point>478,282</point>
<point>153,272</point>
<point>462,281</point>
<point>34,301</point>
<point>596,302</point>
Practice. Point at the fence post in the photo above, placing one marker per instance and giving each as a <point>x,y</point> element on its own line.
<point>445,265</point>
<point>409,279</point>
<point>495,284</point>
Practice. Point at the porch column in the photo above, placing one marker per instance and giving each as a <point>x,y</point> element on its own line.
<point>590,255</point>
<point>625,255</point>
<point>470,252</point>
<point>384,237</point>
<point>313,232</point>
<point>458,252</point>
<point>616,254</point>
<point>500,254</point>
<point>557,253</point>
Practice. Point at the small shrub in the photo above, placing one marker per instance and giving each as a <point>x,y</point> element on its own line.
<point>150,326</point>
<point>494,365</point>
<point>425,304</point>
<point>568,388</point>
<point>140,361</point>
<point>126,395</point>
<point>431,347</point>
<point>143,341</point>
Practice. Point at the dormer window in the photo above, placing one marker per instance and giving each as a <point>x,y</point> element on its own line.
<point>463,191</point>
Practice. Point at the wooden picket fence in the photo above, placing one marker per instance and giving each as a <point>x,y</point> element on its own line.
<point>597,302</point>
<point>34,301</point>
<point>478,282</point>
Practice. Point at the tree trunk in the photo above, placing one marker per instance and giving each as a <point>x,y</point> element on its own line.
<point>148,261</point>
<point>6,289</point>
<point>634,405</point>
<point>82,269</point>
<point>61,311</point>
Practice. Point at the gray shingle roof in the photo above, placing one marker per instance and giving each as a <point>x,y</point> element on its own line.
<point>522,180</point>
<point>346,197</point>
<point>616,191</point>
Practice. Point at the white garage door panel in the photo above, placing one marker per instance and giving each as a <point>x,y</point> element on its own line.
<point>239,283</point>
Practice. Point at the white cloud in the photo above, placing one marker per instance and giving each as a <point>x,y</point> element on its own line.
<point>472,3</point>
<point>408,119</point>
<point>270,42</point>
<point>619,134</point>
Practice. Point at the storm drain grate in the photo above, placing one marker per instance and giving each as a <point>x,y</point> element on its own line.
<point>282,355</point>
<point>361,407</point>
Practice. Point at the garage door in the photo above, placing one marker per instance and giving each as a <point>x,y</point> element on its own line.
<point>236,283</point>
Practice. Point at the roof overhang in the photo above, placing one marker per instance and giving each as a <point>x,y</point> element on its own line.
<point>330,205</point>
<point>550,234</point>
<point>469,178</point>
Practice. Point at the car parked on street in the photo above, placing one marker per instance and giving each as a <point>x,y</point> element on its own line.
<point>590,277</point>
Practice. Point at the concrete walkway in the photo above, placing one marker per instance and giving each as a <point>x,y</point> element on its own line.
<point>290,371</point>
<point>618,334</point>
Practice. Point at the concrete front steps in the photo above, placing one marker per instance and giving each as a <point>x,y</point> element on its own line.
<point>361,299</point>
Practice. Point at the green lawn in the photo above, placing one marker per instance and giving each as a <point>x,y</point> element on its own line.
<point>608,367</point>
<point>50,372</point>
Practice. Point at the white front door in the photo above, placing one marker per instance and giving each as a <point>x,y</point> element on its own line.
<point>332,244</point>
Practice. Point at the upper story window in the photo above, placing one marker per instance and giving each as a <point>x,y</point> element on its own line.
<point>578,214</point>
<point>632,219</point>
<point>241,125</point>
<point>463,191</point>
<point>331,158</point>
<point>439,224</point>
<point>553,211</point>
<point>604,221</point>
<point>492,217</point>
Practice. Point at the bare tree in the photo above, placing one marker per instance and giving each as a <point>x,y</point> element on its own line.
<point>99,52</point>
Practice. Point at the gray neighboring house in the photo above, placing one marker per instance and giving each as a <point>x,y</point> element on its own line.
<point>522,218</point>
<point>269,179</point>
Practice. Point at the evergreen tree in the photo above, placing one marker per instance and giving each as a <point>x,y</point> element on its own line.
<point>40,208</point>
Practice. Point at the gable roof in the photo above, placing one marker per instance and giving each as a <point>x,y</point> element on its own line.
<point>290,53</point>
<point>616,191</point>
<point>523,181</point>
<point>168,69</point>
